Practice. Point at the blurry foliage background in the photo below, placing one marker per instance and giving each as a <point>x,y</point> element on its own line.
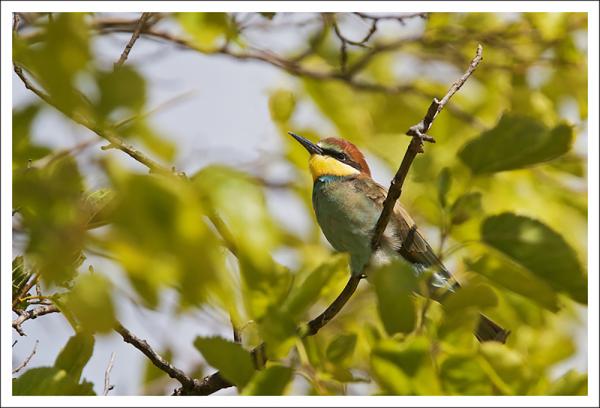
<point>503,194</point>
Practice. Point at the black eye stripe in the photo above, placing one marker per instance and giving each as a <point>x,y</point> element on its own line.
<point>341,156</point>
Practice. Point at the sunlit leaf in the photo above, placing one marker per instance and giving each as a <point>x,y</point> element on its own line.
<point>270,381</point>
<point>234,363</point>
<point>571,383</point>
<point>90,301</point>
<point>478,296</point>
<point>538,248</point>
<point>75,355</point>
<point>207,28</point>
<point>281,105</point>
<point>514,143</point>
<point>514,277</point>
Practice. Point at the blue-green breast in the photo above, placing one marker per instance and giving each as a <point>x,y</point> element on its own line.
<point>347,217</point>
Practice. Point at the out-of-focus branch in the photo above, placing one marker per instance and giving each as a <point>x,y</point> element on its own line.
<point>136,34</point>
<point>26,361</point>
<point>418,133</point>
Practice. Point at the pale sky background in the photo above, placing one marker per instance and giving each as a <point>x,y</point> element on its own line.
<point>225,120</point>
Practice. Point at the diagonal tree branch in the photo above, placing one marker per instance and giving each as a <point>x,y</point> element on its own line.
<point>419,135</point>
<point>136,34</point>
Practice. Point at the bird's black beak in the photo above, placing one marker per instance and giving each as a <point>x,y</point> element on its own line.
<point>308,145</point>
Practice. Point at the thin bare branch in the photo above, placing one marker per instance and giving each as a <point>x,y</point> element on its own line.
<point>419,135</point>
<point>158,361</point>
<point>26,361</point>
<point>32,314</point>
<point>107,386</point>
<point>134,36</point>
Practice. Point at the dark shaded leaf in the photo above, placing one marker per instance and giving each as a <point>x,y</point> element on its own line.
<point>341,348</point>
<point>234,363</point>
<point>465,207</point>
<point>394,284</point>
<point>514,143</point>
<point>538,248</point>
<point>444,182</point>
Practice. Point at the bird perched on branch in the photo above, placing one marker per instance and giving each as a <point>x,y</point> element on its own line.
<point>348,203</point>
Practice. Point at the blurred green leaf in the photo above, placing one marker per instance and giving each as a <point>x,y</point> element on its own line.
<point>23,149</point>
<point>122,88</point>
<point>394,284</point>
<point>444,183</point>
<point>538,248</point>
<point>514,277</point>
<point>308,292</point>
<point>395,364</point>
<point>75,355</point>
<point>153,373</point>
<point>207,28</point>
<point>281,105</point>
<point>98,207</point>
<point>463,375</point>
<point>234,363</point>
<point>48,198</point>
<point>465,207</point>
<point>90,302</point>
<point>50,381</point>
<point>65,42</point>
<point>514,143</point>
<point>270,381</point>
<point>479,296</point>
<point>341,348</point>
<point>571,383</point>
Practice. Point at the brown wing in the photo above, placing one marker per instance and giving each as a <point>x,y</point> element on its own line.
<point>413,246</point>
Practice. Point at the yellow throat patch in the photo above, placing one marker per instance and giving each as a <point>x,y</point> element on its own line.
<point>328,166</point>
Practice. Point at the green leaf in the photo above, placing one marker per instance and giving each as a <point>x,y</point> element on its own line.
<point>394,284</point>
<point>281,105</point>
<point>516,142</point>
<point>571,383</point>
<point>23,149</point>
<point>444,183</point>
<point>270,381</point>
<point>477,296</point>
<point>512,276</point>
<point>465,207</point>
<point>48,198</point>
<point>308,292</point>
<point>122,88</point>
<point>50,381</point>
<point>538,248</point>
<point>207,29</point>
<point>75,355</point>
<point>98,207</point>
<point>396,364</point>
<point>64,41</point>
<point>234,363</point>
<point>90,302</point>
<point>463,375</point>
<point>341,348</point>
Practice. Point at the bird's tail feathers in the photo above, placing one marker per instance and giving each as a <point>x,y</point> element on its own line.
<point>487,330</point>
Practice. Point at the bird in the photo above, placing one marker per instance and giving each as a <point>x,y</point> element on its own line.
<point>347,203</point>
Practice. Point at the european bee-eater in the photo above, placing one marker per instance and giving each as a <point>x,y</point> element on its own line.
<point>347,204</point>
